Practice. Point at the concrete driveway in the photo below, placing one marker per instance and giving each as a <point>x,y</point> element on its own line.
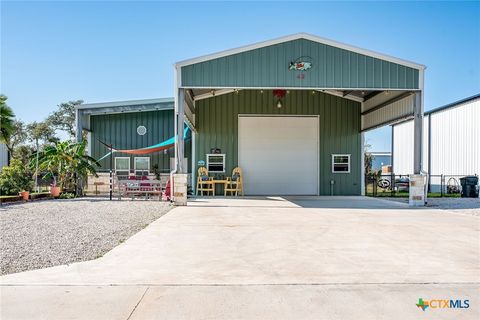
<point>268,258</point>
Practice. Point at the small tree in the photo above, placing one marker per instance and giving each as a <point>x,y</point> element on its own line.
<point>15,178</point>
<point>64,118</point>
<point>65,161</point>
<point>41,133</point>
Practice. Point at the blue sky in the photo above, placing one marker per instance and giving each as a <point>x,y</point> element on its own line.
<point>105,51</point>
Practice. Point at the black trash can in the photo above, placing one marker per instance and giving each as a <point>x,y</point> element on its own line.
<point>469,186</point>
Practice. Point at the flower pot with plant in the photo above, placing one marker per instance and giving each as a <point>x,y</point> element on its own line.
<point>54,189</point>
<point>24,194</point>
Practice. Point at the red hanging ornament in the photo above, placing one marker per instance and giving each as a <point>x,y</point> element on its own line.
<point>279,93</point>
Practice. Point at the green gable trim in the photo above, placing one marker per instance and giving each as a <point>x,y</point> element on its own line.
<point>217,127</point>
<point>267,67</point>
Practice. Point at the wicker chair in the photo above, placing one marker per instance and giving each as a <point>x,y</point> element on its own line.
<point>235,182</point>
<point>204,182</point>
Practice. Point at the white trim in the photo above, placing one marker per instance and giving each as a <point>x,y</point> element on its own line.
<point>219,92</point>
<point>362,163</point>
<point>207,156</point>
<point>341,155</point>
<point>340,94</point>
<point>115,164</point>
<point>300,88</point>
<point>214,94</point>
<point>89,143</point>
<point>123,103</point>
<point>135,164</point>
<point>297,36</point>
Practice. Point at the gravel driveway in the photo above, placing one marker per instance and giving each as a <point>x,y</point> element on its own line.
<point>48,233</point>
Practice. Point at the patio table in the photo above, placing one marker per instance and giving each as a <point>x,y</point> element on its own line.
<point>218,181</point>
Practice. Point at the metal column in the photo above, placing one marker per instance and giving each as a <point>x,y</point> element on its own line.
<point>180,118</point>
<point>417,133</point>
<point>78,125</point>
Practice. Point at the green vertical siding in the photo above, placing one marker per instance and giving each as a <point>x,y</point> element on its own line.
<point>120,130</point>
<point>267,67</point>
<point>217,125</point>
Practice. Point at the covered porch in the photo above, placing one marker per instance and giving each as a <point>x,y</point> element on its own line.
<point>292,112</point>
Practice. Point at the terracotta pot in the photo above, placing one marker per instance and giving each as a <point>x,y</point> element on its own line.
<point>55,191</point>
<point>24,195</point>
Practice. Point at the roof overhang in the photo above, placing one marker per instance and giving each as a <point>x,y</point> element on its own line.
<point>297,36</point>
<point>125,106</point>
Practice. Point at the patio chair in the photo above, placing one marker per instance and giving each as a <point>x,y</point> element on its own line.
<point>204,182</point>
<point>235,182</point>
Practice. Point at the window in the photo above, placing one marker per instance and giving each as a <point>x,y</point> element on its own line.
<point>122,166</point>
<point>340,163</point>
<point>141,165</point>
<point>216,163</point>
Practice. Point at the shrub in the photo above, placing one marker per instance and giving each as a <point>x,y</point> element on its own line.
<point>15,178</point>
<point>67,195</point>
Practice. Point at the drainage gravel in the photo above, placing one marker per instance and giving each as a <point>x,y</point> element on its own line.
<point>47,233</point>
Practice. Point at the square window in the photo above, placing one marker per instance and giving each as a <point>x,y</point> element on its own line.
<point>122,164</point>
<point>340,163</point>
<point>142,165</point>
<point>216,163</point>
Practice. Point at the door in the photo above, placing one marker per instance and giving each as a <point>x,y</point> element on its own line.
<point>279,154</point>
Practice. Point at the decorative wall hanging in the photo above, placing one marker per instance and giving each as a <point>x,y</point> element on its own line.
<point>301,64</point>
<point>141,130</point>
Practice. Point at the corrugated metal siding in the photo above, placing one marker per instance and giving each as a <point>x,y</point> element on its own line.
<point>120,130</point>
<point>3,155</point>
<point>267,67</point>
<point>403,147</point>
<point>456,140</point>
<point>217,125</point>
<point>398,109</point>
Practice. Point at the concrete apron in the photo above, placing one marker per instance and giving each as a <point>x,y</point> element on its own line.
<point>267,258</point>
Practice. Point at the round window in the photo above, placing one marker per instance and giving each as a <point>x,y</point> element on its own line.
<point>141,130</point>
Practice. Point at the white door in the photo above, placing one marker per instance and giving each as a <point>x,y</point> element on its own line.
<point>279,155</point>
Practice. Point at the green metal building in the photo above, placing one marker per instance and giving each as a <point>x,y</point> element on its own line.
<point>291,112</point>
<point>129,125</point>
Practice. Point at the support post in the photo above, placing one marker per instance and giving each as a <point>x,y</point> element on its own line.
<point>180,176</point>
<point>416,180</point>
<point>417,133</point>
<point>180,131</point>
<point>78,125</point>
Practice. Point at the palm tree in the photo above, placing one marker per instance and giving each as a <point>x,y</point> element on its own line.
<point>6,121</point>
<point>65,161</point>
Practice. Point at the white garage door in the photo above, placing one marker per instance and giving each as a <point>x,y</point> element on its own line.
<point>278,155</point>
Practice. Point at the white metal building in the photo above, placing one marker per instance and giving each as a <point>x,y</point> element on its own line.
<point>451,142</point>
<point>3,155</point>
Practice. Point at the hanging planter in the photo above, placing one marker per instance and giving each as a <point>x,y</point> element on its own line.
<point>279,94</point>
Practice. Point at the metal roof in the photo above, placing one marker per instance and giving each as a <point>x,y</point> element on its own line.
<point>453,104</point>
<point>296,36</point>
<point>125,103</point>
<point>445,107</point>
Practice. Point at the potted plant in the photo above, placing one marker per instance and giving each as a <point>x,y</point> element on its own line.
<point>24,194</point>
<point>54,189</point>
<point>66,162</point>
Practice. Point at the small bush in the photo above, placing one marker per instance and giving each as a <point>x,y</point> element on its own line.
<point>15,178</point>
<point>67,195</point>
